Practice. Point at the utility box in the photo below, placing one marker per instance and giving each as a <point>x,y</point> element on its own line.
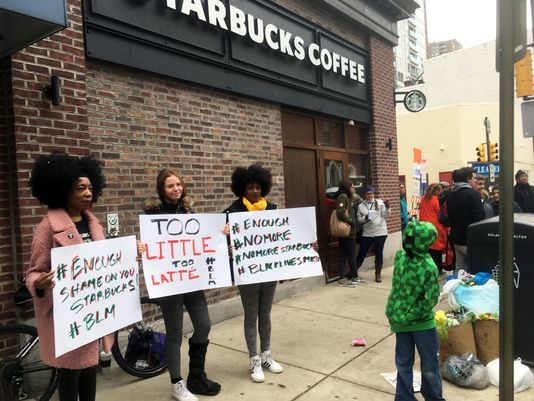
<point>483,256</point>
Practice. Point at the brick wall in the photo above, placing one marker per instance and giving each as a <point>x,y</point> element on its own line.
<point>140,123</point>
<point>384,162</point>
<point>7,256</point>
<point>40,127</point>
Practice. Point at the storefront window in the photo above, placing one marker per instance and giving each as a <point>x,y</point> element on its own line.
<point>333,176</point>
<point>357,170</point>
<point>330,133</point>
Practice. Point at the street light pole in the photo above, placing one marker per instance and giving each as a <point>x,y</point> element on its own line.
<point>508,14</point>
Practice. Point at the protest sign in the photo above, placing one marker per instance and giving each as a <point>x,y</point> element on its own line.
<point>96,291</point>
<point>184,253</point>
<point>274,245</point>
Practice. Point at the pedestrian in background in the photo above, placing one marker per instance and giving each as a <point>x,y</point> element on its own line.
<point>250,185</point>
<point>403,207</point>
<point>524,192</point>
<point>464,207</point>
<point>172,199</point>
<point>481,185</point>
<point>346,246</point>
<point>68,186</point>
<point>428,211</point>
<point>373,213</point>
<point>410,311</point>
<point>492,206</point>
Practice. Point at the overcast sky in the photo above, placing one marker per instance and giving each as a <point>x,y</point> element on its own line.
<point>471,22</point>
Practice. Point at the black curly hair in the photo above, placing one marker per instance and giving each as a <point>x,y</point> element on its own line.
<point>54,175</point>
<point>255,173</point>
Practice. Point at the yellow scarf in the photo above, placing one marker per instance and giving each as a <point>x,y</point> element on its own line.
<point>259,205</point>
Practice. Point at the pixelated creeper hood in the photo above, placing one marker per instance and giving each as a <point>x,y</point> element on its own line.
<point>417,237</point>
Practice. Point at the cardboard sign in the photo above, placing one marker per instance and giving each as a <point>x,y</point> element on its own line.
<point>274,245</point>
<point>184,253</point>
<point>96,291</point>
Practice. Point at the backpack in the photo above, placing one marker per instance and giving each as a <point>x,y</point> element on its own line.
<point>156,355</point>
<point>138,348</point>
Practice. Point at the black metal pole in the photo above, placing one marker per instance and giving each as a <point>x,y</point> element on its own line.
<point>507,10</point>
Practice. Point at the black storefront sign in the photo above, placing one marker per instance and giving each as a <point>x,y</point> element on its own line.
<point>254,48</point>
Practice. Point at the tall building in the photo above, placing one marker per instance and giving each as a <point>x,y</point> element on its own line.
<point>411,50</point>
<point>435,49</point>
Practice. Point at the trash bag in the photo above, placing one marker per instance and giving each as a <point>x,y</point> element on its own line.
<point>466,371</point>
<point>523,377</point>
<point>478,298</point>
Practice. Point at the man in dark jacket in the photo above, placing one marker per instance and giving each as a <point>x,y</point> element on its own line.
<point>523,192</point>
<point>464,207</point>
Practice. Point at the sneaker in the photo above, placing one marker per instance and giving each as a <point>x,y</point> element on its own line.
<point>345,283</point>
<point>268,362</point>
<point>181,393</point>
<point>256,372</point>
<point>358,280</point>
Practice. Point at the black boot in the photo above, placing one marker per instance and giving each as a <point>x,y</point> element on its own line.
<point>197,381</point>
<point>378,272</point>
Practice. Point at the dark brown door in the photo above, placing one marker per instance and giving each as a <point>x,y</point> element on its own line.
<point>332,167</point>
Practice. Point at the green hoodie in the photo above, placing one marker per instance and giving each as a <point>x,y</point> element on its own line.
<point>415,288</point>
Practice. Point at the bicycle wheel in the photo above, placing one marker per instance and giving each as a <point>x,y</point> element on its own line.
<point>139,349</point>
<point>23,376</point>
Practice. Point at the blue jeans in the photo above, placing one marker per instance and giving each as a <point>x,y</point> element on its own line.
<point>347,252</point>
<point>426,342</point>
<point>366,243</point>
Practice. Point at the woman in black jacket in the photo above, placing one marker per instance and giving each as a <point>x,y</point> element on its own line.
<point>171,199</point>
<point>347,246</point>
<point>250,185</point>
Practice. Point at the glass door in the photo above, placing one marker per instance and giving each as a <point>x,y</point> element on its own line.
<point>333,169</point>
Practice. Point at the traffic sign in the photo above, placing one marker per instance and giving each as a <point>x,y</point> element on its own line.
<point>484,168</point>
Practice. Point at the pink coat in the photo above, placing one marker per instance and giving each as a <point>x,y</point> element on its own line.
<point>58,229</point>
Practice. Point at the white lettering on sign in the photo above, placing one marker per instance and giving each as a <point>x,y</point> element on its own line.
<point>278,39</point>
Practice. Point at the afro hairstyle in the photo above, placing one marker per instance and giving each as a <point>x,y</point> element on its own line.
<point>255,173</point>
<point>54,176</point>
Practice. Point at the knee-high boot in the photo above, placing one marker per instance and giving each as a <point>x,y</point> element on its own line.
<point>197,380</point>
<point>378,272</point>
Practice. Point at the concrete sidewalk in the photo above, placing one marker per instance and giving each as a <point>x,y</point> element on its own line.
<point>311,338</point>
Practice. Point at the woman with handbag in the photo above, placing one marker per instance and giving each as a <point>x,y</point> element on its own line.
<point>373,213</point>
<point>347,245</point>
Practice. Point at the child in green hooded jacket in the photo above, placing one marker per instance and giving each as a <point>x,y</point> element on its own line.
<point>410,311</point>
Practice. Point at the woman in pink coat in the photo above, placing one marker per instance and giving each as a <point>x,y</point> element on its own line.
<point>68,185</point>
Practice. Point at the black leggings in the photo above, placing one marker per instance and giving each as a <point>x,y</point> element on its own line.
<point>72,383</point>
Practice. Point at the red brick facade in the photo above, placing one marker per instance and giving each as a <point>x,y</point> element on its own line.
<point>137,123</point>
<point>384,162</point>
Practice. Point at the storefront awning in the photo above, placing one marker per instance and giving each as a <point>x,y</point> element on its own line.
<point>23,22</point>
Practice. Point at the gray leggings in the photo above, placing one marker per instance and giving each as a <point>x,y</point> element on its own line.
<point>257,300</point>
<point>173,315</point>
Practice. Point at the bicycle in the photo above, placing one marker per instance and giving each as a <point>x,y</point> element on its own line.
<point>24,377</point>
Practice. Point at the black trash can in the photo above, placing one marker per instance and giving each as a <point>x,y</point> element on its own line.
<point>483,256</point>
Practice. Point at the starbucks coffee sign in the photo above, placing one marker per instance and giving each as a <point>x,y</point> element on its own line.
<point>250,47</point>
<point>277,38</point>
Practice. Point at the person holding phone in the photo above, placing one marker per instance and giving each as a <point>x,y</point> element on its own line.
<point>373,213</point>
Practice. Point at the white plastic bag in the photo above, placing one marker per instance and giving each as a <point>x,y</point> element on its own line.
<point>523,377</point>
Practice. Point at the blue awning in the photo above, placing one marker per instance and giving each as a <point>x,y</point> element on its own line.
<point>23,22</point>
